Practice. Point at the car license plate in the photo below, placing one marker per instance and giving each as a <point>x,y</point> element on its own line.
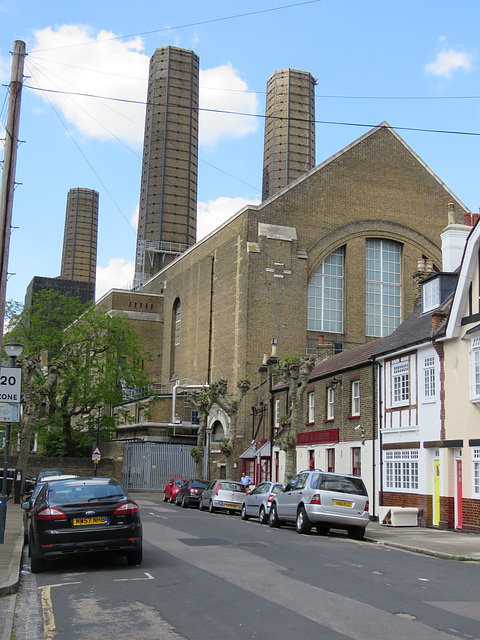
<point>342,503</point>
<point>82,521</point>
<point>231,506</point>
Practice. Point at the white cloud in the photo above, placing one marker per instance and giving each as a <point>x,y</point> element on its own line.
<point>134,217</point>
<point>222,89</point>
<point>100,66</point>
<point>69,58</point>
<point>213,213</point>
<point>448,61</point>
<point>116,275</point>
<point>5,69</point>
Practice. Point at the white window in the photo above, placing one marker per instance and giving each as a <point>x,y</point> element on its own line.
<point>431,295</point>
<point>429,377</point>
<point>383,287</point>
<point>476,472</point>
<point>400,383</point>
<point>330,403</point>
<point>311,407</point>
<point>401,470</point>
<point>475,370</point>
<point>356,398</point>
<point>325,295</point>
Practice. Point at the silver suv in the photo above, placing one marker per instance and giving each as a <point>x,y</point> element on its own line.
<point>325,500</point>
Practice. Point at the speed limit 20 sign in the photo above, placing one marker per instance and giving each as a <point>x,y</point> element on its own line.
<point>10,384</point>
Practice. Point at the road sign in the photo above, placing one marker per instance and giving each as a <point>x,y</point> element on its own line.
<point>96,454</point>
<point>10,385</point>
<point>8,412</point>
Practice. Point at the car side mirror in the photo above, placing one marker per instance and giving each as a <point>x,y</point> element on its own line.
<point>25,505</point>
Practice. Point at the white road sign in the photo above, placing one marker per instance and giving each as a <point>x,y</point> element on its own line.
<point>8,412</point>
<point>10,385</point>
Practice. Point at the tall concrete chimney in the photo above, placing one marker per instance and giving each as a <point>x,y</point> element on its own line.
<point>168,197</point>
<point>289,148</point>
<point>79,255</point>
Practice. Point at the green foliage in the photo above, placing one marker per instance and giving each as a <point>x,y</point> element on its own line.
<point>194,452</point>
<point>54,443</point>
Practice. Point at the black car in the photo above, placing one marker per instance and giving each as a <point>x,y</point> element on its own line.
<point>83,515</point>
<point>189,493</point>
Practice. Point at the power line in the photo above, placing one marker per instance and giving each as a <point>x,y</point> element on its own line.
<point>188,25</point>
<point>263,116</point>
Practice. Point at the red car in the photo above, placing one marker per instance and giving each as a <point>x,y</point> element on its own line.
<point>171,489</point>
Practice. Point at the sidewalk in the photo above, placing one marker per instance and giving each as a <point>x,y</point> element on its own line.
<point>11,550</point>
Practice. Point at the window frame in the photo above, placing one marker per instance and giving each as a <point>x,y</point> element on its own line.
<point>383,286</point>
<point>330,403</point>
<point>429,378</point>
<point>355,397</point>
<point>311,407</point>
<point>401,470</point>
<point>474,369</point>
<point>326,294</point>
<point>476,472</point>
<point>400,383</point>
<point>356,461</point>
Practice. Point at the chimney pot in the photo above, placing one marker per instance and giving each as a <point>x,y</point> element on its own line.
<point>451,212</point>
<point>474,219</point>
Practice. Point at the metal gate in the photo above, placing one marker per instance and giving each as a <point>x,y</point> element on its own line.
<point>148,466</point>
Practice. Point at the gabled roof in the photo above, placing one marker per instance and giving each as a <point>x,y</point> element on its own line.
<point>365,136</point>
<point>465,277</point>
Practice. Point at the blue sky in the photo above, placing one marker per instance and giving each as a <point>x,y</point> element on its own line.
<point>413,64</point>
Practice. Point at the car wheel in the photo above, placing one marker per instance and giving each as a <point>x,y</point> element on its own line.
<point>200,505</point>
<point>262,516</point>
<point>171,499</point>
<point>356,533</point>
<point>273,520</point>
<point>184,503</point>
<point>303,524</point>
<point>322,529</point>
<point>243,513</point>
<point>135,557</point>
<point>232,512</point>
<point>37,564</point>
<point>165,499</point>
<point>211,508</point>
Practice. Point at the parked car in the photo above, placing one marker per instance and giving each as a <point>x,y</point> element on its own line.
<point>45,473</point>
<point>83,515</point>
<point>223,494</point>
<point>326,500</point>
<point>171,489</point>
<point>31,501</point>
<point>189,493</point>
<point>29,483</point>
<point>257,502</point>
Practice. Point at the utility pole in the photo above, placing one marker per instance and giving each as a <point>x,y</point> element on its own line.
<point>9,165</point>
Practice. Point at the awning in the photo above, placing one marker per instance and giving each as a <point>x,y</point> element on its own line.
<point>264,451</point>
<point>249,453</point>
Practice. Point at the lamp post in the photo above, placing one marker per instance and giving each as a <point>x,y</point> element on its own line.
<point>12,349</point>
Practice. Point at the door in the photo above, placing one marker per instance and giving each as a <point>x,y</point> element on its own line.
<point>436,493</point>
<point>458,495</point>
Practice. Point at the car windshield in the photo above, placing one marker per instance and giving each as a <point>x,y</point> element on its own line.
<point>178,483</point>
<point>199,484</point>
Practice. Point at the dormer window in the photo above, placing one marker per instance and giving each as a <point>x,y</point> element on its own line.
<point>430,295</point>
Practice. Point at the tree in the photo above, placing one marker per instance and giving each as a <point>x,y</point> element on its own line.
<point>295,373</point>
<point>39,327</point>
<point>92,360</point>
<point>203,403</point>
<point>218,392</point>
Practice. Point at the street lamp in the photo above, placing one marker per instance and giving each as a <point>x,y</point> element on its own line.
<point>12,349</point>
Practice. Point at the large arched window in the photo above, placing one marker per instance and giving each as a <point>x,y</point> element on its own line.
<point>383,287</point>
<point>325,295</point>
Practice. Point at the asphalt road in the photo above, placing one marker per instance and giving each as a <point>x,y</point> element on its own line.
<point>213,576</point>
